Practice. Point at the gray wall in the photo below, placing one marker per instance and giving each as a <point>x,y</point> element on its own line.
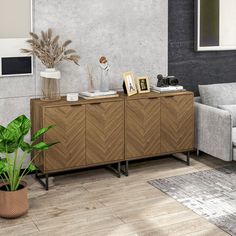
<point>190,67</point>
<point>132,34</point>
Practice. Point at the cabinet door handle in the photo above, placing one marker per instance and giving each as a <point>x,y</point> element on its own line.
<point>153,98</point>
<point>96,103</point>
<point>75,105</point>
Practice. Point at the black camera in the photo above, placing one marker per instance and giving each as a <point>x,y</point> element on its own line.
<point>166,81</point>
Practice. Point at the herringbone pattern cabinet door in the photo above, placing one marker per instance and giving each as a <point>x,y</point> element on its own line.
<point>104,132</point>
<point>70,132</point>
<point>75,133</point>
<point>177,120</point>
<point>186,123</point>
<point>142,127</point>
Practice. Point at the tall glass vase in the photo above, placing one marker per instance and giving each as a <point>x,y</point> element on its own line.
<point>105,80</point>
<point>92,81</point>
<point>51,79</point>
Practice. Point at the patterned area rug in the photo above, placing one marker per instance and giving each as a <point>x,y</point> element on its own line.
<point>211,194</point>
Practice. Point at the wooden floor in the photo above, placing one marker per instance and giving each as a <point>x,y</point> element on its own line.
<point>95,202</point>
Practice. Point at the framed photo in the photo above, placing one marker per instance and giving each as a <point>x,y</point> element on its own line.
<point>143,84</point>
<point>130,83</point>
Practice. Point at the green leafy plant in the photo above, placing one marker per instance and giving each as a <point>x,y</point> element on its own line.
<point>11,141</point>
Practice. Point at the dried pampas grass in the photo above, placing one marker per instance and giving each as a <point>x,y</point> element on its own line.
<point>49,50</point>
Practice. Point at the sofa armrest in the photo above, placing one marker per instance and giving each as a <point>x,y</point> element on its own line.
<point>213,131</point>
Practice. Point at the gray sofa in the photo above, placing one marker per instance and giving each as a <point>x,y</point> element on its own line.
<point>215,120</point>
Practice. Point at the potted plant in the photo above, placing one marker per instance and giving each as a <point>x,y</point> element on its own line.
<point>50,52</point>
<point>13,189</point>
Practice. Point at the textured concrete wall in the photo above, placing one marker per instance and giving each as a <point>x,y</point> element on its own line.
<point>132,34</point>
<point>190,67</point>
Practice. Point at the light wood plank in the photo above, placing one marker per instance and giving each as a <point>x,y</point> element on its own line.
<point>94,202</point>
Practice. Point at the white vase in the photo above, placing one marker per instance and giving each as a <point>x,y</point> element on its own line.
<point>51,84</point>
<point>104,82</point>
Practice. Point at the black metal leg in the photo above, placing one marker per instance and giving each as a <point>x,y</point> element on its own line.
<point>188,158</point>
<point>118,168</point>
<point>117,171</point>
<point>127,168</point>
<point>40,177</point>
<point>125,171</point>
<point>176,156</point>
<point>46,180</point>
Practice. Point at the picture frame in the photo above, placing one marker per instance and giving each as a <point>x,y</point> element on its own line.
<point>130,84</point>
<point>143,84</point>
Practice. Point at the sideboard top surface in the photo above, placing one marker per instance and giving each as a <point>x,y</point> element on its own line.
<point>121,97</point>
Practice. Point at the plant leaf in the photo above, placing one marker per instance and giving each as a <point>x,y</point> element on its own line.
<point>55,40</point>
<point>42,43</point>
<point>1,132</point>
<point>41,132</point>
<point>75,58</point>
<point>69,51</point>
<point>32,167</point>
<point>26,125</point>
<point>16,129</point>
<point>31,41</point>
<point>25,50</point>
<point>3,166</point>
<point>25,147</point>
<point>43,146</point>
<point>44,36</point>
<point>66,43</point>
<point>2,147</point>
<point>21,123</point>
<point>49,33</point>
<point>33,35</point>
<point>11,147</point>
<point>13,134</point>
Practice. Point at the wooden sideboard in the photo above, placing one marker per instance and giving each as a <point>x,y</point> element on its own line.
<point>113,130</point>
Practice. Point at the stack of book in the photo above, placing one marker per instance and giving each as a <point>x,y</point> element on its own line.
<point>169,89</point>
<point>99,95</point>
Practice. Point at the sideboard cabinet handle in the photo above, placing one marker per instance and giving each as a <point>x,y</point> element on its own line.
<point>75,105</point>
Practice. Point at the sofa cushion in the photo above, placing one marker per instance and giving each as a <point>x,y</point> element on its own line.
<point>197,99</point>
<point>234,136</point>
<point>232,110</point>
<point>218,94</point>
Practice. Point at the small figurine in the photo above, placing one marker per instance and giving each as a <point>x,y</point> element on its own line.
<point>105,67</point>
<point>104,64</point>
